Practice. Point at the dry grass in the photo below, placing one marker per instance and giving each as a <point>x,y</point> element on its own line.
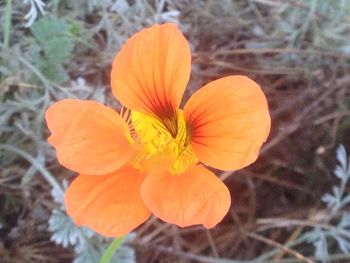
<point>297,50</point>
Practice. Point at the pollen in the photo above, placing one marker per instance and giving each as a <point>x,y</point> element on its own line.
<point>161,143</point>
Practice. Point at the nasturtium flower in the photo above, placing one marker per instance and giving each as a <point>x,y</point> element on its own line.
<point>151,157</point>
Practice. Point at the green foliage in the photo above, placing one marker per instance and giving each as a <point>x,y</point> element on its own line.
<point>53,71</point>
<point>323,23</point>
<point>297,50</point>
<point>338,202</point>
<point>89,247</point>
<point>55,38</point>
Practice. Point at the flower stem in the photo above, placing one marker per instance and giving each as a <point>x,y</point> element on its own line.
<point>110,251</point>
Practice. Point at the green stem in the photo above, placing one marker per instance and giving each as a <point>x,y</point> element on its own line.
<point>7,23</point>
<point>110,251</point>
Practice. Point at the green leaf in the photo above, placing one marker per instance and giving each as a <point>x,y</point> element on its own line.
<point>54,37</point>
<point>48,27</point>
<point>58,49</point>
<point>51,70</point>
<point>75,28</point>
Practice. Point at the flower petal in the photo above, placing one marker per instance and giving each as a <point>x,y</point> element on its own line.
<point>89,137</point>
<point>110,205</point>
<point>151,71</point>
<point>228,120</point>
<point>196,196</point>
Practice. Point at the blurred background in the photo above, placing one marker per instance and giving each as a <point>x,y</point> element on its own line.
<point>292,205</point>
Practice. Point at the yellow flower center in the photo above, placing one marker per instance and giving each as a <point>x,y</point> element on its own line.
<point>161,142</point>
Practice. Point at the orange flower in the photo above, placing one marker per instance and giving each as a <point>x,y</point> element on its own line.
<point>147,160</point>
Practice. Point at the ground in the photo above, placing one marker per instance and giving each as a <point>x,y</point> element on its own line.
<point>298,51</point>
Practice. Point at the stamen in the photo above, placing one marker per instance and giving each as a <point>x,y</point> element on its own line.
<point>162,142</point>
<point>126,116</point>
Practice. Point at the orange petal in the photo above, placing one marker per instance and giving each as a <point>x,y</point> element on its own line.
<point>110,205</point>
<point>152,69</point>
<point>228,120</point>
<point>194,197</point>
<point>89,137</point>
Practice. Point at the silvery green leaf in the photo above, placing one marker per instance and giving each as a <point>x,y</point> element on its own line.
<point>343,243</point>
<point>344,221</point>
<point>339,172</point>
<point>65,232</point>
<point>125,254</point>
<point>88,254</point>
<point>346,200</point>
<point>336,202</point>
<point>57,193</point>
<point>342,156</point>
<point>92,251</point>
<point>170,16</point>
<point>120,6</point>
<point>333,200</point>
<point>329,200</point>
<point>345,49</point>
<point>321,247</point>
<point>258,31</point>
